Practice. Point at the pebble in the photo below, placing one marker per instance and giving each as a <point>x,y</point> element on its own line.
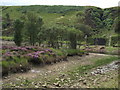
<point>104,69</point>
<point>36,86</point>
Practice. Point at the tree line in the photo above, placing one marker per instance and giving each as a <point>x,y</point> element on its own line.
<point>32,29</point>
<point>72,31</point>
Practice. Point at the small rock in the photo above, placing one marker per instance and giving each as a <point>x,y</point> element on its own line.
<point>57,79</point>
<point>62,79</point>
<point>36,86</point>
<point>44,85</point>
<point>5,77</point>
<point>57,84</point>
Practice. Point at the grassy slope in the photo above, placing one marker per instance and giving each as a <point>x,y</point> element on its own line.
<point>46,12</point>
<point>50,14</point>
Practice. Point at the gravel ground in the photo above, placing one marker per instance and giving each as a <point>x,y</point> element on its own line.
<point>102,70</point>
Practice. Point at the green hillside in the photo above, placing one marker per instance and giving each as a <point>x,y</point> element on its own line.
<point>101,21</point>
<point>54,13</point>
<point>48,13</point>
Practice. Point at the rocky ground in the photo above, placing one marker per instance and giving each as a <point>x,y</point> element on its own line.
<point>57,75</point>
<point>101,77</point>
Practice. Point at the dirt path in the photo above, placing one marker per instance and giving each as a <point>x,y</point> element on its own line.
<point>44,74</point>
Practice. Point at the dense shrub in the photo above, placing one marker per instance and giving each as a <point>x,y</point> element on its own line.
<point>90,40</point>
<point>19,59</point>
<point>16,64</point>
<point>114,40</point>
<point>72,52</point>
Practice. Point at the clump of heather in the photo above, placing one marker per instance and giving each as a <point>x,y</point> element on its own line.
<point>26,51</point>
<point>15,59</point>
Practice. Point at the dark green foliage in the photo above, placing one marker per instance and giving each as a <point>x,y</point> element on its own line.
<point>115,40</point>
<point>18,26</point>
<point>50,9</point>
<point>71,52</point>
<point>80,25</point>
<point>53,35</point>
<point>6,21</point>
<point>94,22</point>
<point>109,16</point>
<point>102,21</point>
<point>7,16</point>
<point>41,36</point>
<point>93,17</point>
<point>80,16</point>
<point>90,40</point>
<point>116,25</point>
<point>111,13</point>
<point>85,29</point>
<point>4,24</point>
<point>33,25</point>
<point>14,65</point>
<point>74,35</point>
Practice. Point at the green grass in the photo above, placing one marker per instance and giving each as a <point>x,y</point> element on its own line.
<point>79,71</point>
<point>113,83</point>
<point>106,60</point>
<point>58,52</point>
<point>14,65</point>
<point>96,62</point>
<point>67,52</point>
<point>111,48</point>
<point>49,17</point>
<point>73,51</point>
<point>10,38</point>
<point>14,61</point>
<point>108,50</point>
